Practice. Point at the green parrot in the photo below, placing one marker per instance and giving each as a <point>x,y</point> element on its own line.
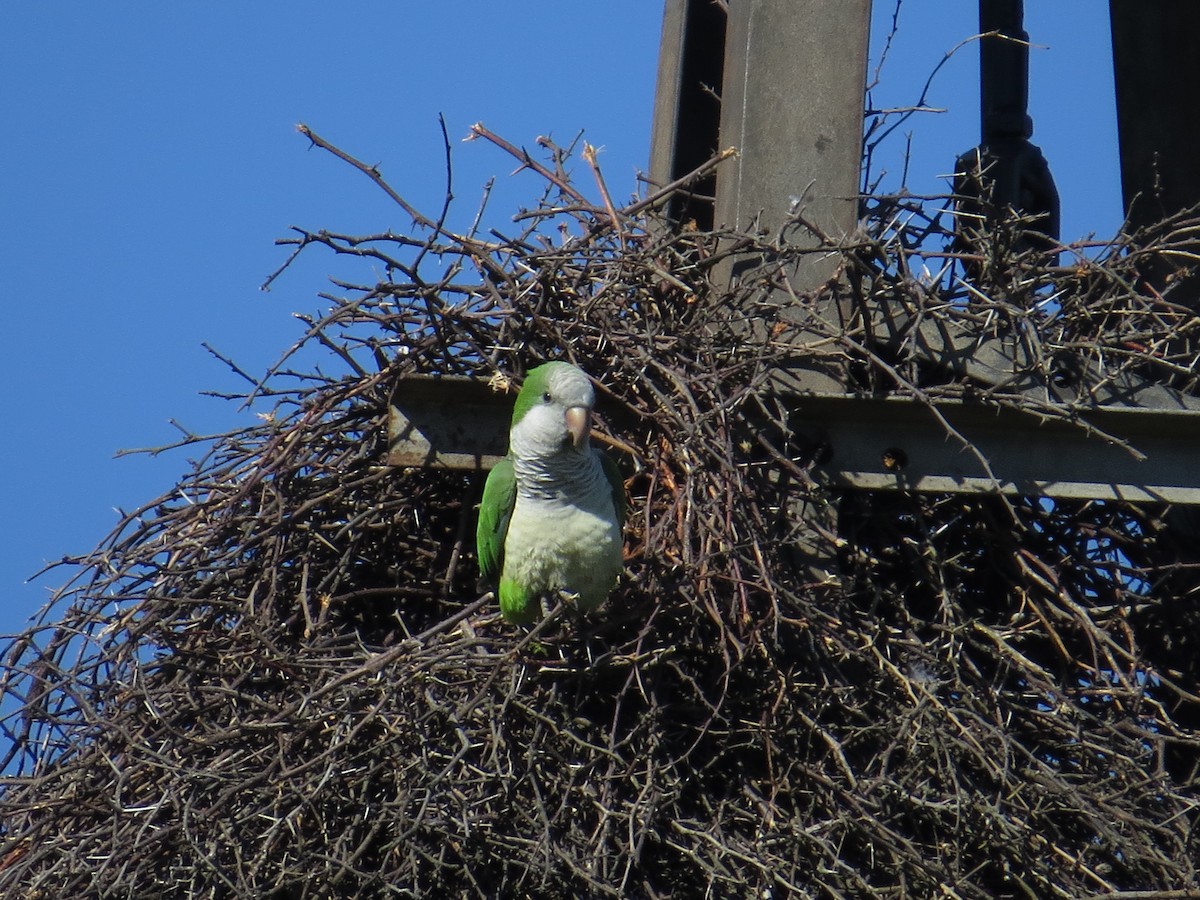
<point>553,509</point>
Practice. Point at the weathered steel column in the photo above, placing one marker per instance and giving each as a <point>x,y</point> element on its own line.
<point>791,77</point>
<point>791,83</point>
<point>783,82</point>
<point>795,80</point>
<point>1156,68</point>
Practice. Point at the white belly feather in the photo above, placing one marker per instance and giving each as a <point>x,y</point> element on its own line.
<point>563,546</point>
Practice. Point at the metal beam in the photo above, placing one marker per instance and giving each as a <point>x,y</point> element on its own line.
<point>447,421</point>
<point>795,78</point>
<point>1156,69</point>
<point>877,443</point>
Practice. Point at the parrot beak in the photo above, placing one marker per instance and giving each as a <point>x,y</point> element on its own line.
<point>579,424</point>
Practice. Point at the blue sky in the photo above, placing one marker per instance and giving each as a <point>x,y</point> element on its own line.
<point>151,161</point>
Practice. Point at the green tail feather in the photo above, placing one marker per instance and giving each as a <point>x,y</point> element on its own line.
<point>517,605</point>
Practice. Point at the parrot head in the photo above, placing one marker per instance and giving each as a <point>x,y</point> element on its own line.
<point>553,411</point>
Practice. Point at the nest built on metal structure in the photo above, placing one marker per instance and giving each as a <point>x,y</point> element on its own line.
<point>281,679</point>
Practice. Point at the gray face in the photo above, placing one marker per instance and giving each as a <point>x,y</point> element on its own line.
<point>560,418</point>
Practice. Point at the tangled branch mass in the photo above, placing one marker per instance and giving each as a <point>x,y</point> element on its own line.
<point>280,678</point>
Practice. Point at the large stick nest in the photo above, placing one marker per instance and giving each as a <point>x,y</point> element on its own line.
<point>279,679</point>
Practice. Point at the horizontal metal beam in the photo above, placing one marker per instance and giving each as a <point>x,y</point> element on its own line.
<point>953,446</point>
<point>878,443</point>
<point>449,421</point>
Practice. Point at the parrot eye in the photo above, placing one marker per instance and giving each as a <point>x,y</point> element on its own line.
<point>546,398</point>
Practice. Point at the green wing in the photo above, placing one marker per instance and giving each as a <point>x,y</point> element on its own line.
<point>499,495</point>
<point>615,481</point>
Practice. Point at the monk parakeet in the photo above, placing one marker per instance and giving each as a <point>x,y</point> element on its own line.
<point>552,510</point>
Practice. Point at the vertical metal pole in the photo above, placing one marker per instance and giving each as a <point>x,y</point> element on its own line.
<point>792,80</point>
<point>795,78</point>
<point>687,104</point>
<point>781,80</point>
<point>1156,67</point>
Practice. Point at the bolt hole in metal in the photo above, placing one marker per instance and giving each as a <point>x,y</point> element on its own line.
<point>1064,371</point>
<point>894,459</point>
